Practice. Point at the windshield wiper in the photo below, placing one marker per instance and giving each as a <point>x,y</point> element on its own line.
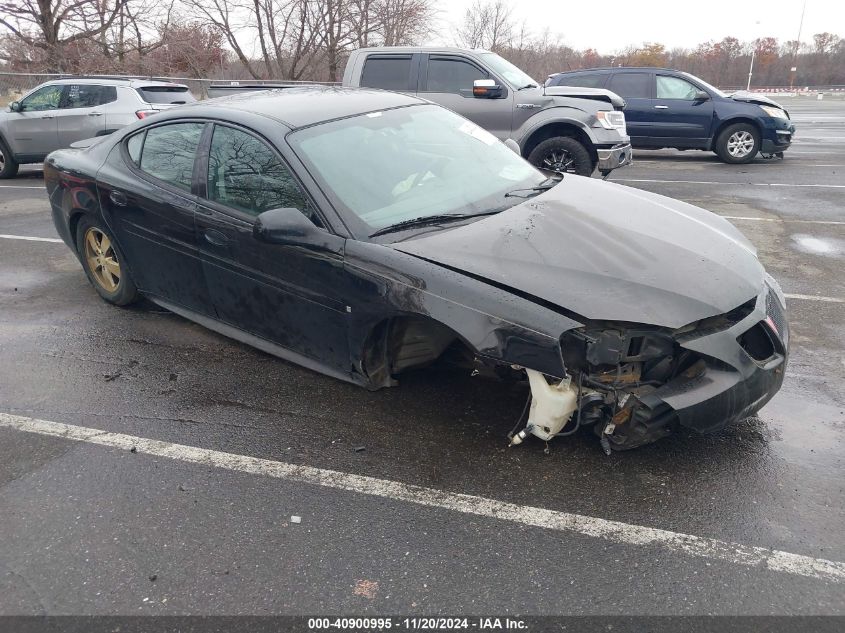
<point>526,86</point>
<point>430,219</point>
<point>547,184</point>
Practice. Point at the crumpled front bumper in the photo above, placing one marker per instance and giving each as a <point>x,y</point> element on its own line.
<point>778,137</point>
<point>612,157</point>
<point>732,385</point>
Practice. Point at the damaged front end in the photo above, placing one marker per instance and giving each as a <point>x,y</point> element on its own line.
<point>634,384</point>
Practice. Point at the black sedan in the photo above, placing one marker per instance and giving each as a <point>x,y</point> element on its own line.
<point>363,233</point>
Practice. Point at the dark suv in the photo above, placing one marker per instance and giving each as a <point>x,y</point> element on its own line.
<point>670,108</point>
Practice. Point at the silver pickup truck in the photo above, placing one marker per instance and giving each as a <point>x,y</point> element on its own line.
<point>562,129</point>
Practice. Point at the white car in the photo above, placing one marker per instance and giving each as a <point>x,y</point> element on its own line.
<point>63,111</point>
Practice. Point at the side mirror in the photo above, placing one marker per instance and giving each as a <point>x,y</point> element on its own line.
<point>15,106</point>
<point>702,95</point>
<point>486,89</point>
<point>283,226</point>
<point>513,146</point>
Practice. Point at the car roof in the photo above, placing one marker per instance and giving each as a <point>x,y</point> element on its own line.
<point>307,105</point>
<point>133,82</point>
<point>420,49</point>
<point>616,69</point>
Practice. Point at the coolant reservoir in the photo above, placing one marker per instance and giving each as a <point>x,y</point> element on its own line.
<point>551,405</point>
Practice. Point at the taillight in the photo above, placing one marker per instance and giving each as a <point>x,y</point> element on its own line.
<point>143,114</point>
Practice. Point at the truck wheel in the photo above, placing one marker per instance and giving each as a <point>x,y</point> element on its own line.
<point>8,165</point>
<point>562,154</point>
<point>738,143</point>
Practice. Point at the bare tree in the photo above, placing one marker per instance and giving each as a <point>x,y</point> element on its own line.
<point>232,20</point>
<point>487,25</point>
<point>341,26</point>
<point>51,25</point>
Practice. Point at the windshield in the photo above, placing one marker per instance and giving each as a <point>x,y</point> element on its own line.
<point>514,76</point>
<point>706,85</point>
<point>409,163</point>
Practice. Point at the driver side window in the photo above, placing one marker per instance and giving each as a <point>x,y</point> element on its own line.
<point>675,88</point>
<point>452,75</point>
<point>245,174</point>
<point>46,98</point>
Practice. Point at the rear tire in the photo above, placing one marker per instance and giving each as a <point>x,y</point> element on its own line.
<point>563,155</point>
<point>8,165</point>
<point>103,263</point>
<point>738,143</point>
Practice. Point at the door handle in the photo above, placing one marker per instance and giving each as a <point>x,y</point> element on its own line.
<point>661,107</point>
<point>95,114</point>
<point>118,198</point>
<point>48,116</point>
<point>216,238</point>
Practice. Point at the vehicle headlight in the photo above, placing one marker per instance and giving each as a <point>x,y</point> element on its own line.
<point>612,120</point>
<point>775,113</point>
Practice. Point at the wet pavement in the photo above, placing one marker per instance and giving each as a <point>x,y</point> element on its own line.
<point>86,527</point>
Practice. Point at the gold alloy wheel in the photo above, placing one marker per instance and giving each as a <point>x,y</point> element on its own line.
<point>102,260</point>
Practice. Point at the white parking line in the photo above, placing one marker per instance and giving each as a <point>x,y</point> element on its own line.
<point>789,220</point>
<point>29,238</point>
<point>814,298</point>
<point>22,187</point>
<point>691,163</point>
<point>613,531</point>
<point>735,184</point>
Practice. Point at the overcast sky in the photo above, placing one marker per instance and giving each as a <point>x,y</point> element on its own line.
<point>608,25</point>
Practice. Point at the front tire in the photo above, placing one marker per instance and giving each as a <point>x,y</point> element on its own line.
<point>563,155</point>
<point>8,165</point>
<point>104,263</point>
<point>738,143</point>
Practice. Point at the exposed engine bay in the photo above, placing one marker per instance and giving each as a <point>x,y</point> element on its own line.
<point>610,371</point>
<point>621,378</point>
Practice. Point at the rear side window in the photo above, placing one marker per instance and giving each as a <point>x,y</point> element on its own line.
<point>245,174</point>
<point>87,96</point>
<point>387,73</point>
<point>133,146</point>
<point>107,94</point>
<point>166,94</point>
<point>453,75</point>
<point>589,80</point>
<point>168,152</point>
<point>631,85</point>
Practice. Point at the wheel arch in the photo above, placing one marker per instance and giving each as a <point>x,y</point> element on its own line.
<point>74,216</point>
<point>406,341</point>
<point>733,121</point>
<point>554,129</point>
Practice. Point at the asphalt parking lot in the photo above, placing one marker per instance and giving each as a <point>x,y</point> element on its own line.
<point>185,504</point>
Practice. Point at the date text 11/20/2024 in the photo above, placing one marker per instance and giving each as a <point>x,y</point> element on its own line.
<point>417,624</point>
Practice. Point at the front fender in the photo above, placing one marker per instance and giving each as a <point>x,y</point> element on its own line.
<point>558,115</point>
<point>492,321</point>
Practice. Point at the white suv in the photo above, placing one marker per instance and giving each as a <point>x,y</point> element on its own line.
<point>61,112</point>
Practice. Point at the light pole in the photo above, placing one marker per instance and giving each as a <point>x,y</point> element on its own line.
<point>753,51</point>
<point>794,70</point>
<point>751,68</point>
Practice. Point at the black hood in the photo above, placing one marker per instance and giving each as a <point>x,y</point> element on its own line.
<point>608,252</point>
